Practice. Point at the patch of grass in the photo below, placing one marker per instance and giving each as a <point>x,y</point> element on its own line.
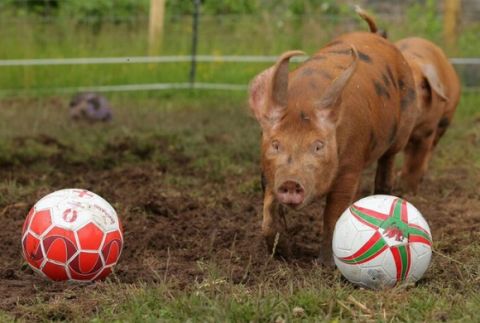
<point>4,317</point>
<point>468,107</point>
<point>310,296</point>
<point>11,191</point>
<point>461,143</point>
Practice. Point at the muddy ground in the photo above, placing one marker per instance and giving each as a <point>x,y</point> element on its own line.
<point>173,234</point>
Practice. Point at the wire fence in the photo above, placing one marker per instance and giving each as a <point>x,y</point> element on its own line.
<point>174,59</point>
<point>192,85</point>
<point>183,35</point>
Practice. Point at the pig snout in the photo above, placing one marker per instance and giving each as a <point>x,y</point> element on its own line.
<point>291,193</point>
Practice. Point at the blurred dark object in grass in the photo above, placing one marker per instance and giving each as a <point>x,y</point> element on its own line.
<point>91,107</point>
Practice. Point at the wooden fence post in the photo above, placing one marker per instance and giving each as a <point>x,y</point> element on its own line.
<point>451,12</point>
<point>155,31</point>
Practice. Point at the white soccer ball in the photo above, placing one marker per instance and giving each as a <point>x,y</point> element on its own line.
<point>381,241</point>
<point>72,234</point>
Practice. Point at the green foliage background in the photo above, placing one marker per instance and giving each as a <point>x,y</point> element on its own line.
<point>108,8</point>
<point>119,28</point>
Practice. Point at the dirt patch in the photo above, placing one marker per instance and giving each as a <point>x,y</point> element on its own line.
<point>173,234</point>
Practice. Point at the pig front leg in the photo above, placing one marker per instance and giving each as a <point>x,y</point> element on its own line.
<point>273,225</point>
<point>338,200</point>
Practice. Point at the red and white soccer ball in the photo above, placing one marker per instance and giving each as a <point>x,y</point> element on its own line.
<point>381,241</point>
<point>72,234</point>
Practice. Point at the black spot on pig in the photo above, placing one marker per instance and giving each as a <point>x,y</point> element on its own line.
<point>386,81</point>
<point>444,122</point>
<point>364,57</point>
<point>381,90</point>
<point>326,75</point>
<point>390,75</point>
<point>408,98</point>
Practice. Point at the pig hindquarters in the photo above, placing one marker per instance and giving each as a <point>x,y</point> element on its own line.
<point>438,92</point>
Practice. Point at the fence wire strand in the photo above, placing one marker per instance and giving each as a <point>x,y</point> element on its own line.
<point>163,59</point>
<point>174,59</point>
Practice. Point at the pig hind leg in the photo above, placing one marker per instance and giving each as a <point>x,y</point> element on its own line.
<point>385,175</point>
<point>417,156</point>
<point>441,129</point>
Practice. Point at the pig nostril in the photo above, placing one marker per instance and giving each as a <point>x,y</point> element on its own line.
<point>299,190</point>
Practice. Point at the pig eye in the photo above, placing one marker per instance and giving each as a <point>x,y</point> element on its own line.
<point>318,146</point>
<point>276,145</point>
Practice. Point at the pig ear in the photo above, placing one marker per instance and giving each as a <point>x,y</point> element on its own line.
<point>268,91</point>
<point>431,75</point>
<point>257,97</point>
<point>328,106</point>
